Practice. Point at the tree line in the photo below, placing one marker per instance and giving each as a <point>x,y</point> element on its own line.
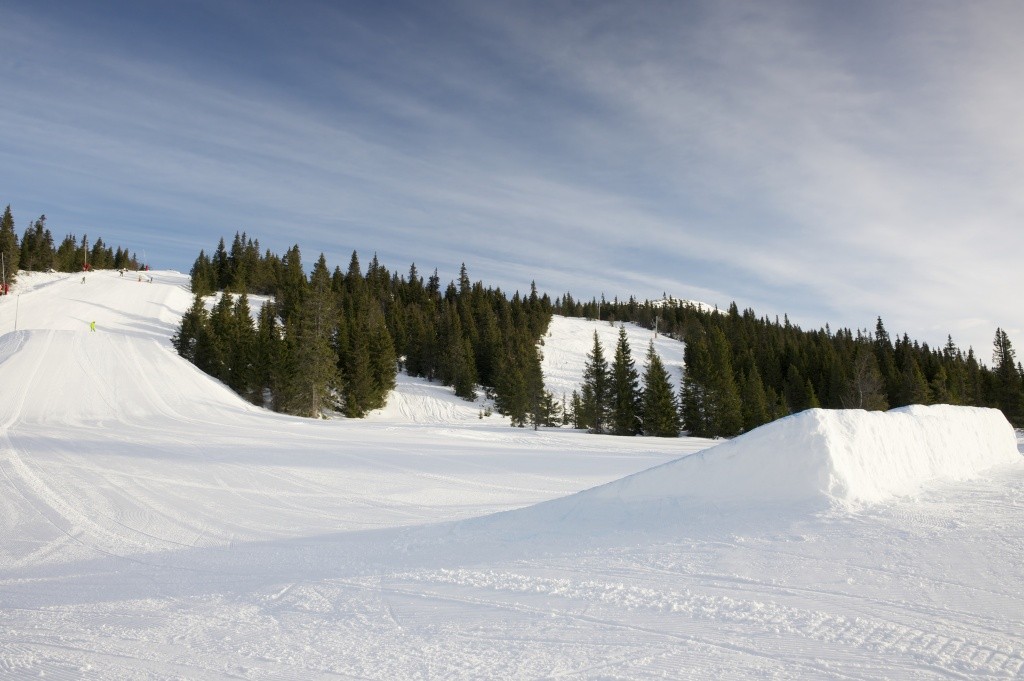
<point>612,400</point>
<point>742,371</point>
<point>35,251</point>
<point>333,341</point>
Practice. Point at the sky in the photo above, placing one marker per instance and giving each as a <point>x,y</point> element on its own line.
<point>835,162</point>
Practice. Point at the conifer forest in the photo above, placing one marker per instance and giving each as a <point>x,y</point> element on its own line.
<point>333,340</point>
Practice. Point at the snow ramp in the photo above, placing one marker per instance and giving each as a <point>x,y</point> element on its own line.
<point>812,461</point>
<point>839,457</point>
<point>99,379</point>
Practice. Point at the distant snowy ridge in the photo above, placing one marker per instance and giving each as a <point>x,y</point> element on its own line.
<point>682,302</point>
<point>840,457</point>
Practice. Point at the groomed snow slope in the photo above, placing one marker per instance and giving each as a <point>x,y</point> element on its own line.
<point>832,457</point>
<point>153,525</point>
<point>568,340</point>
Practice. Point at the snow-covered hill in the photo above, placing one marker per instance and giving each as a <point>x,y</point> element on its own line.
<point>154,525</point>
<point>568,340</point>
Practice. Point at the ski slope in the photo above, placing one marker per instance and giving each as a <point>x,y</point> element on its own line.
<point>153,525</point>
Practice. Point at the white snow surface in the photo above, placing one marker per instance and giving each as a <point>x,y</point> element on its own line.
<point>568,340</point>
<point>834,457</point>
<point>155,526</point>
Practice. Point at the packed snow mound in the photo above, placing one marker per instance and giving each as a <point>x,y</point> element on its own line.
<point>840,457</point>
<point>81,377</point>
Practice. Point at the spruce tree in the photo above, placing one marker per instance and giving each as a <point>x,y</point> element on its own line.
<point>727,412</point>
<point>242,354</point>
<point>755,401</point>
<point>1007,379</point>
<point>625,389</point>
<point>9,249</point>
<point>659,409</point>
<point>266,354</point>
<point>313,385</point>
<point>911,387</point>
<point>695,394</point>
<point>596,389</point>
<point>511,392</point>
<point>576,411</point>
<point>383,363</point>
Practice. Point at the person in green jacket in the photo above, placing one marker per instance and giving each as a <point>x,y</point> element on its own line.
<point>92,326</point>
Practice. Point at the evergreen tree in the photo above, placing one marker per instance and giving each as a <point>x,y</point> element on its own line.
<point>596,394</point>
<point>625,390</point>
<point>755,402</point>
<point>383,363</point>
<point>1007,380</point>
<point>511,392</point>
<point>727,413</point>
<point>203,276</point>
<point>291,285</point>
<point>356,372</point>
<point>695,395</point>
<point>266,355</point>
<point>312,387</point>
<point>659,409</point>
<point>222,266</point>
<point>37,251</point>
<point>9,248</point>
<point>194,339</point>
<point>576,411</point>
<point>911,388</point>
<point>242,373</point>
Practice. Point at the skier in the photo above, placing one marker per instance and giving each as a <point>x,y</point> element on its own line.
<point>92,326</point>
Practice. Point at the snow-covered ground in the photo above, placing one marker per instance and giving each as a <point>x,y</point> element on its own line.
<point>153,525</point>
<point>568,341</point>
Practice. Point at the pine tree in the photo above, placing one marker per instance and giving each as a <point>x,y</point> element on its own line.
<point>755,401</point>
<point>9,249</point>
<point>356,371</point>
<point>596,389</point>
<point>1007,380</point>
<point>195,340</point>
<point>576,411</point>
<point>710,399</point>
<point>727,413</point>
<point>625,390</point>
<point>511,392</point>
<point>312,387</point>
<point>383,363</point>
<point>659,408</point>
<point>695,394</point>
<point>266,354</point>
<point>203,275</point>
<point>911,388</point>
<point>291,285</point>
<point>242,354</point>
<point>222,266</point>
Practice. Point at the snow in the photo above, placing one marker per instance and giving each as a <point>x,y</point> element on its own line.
<point>154,525</point>
<point>569,340</point>
<point>833,457</point>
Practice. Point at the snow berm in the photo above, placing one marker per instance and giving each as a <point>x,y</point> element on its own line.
<point>840,457</point>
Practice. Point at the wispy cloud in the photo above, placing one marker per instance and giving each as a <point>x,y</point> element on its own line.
<point>834,162</point>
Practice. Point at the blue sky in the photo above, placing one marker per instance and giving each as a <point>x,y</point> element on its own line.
<point>832,161</point>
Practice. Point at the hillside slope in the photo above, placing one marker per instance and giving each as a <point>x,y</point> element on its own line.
<point>154,525</point>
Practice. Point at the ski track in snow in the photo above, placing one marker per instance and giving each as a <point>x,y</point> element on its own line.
<point>155,526</point>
